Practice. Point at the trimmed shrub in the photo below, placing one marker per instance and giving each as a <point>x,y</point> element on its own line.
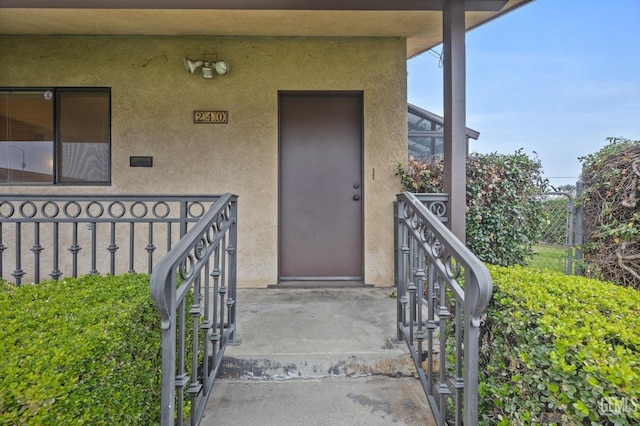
<point>611,200</point>
<point>504,211</point>
<point>559,350</point>
<point>80,351</point>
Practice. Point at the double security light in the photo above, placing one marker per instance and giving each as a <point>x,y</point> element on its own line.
<point>221,67</point>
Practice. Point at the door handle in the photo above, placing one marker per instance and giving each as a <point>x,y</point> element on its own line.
<point>356,197</point>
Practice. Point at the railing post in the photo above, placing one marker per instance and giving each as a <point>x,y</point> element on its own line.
<point>471,351</point>
<point>420,278</point>
<point>36,249</point>
<point>56,273</point>
<point>112,248</point>
<point>132,262</point>
<point>18,273</point>
<point>570,233</point>
<point>401,254</point>
<point>579,239</point>
<point>168,338</point>
<point>442,389</point>
<point>2,248</point>
<point>150,248</point>
<point>94,243</point>
<point>184,211</point>
<point>233,253</point>
<point>396,258</point>
<point>74,249</point>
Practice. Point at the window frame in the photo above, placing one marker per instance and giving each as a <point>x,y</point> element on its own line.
<point>57,143</point>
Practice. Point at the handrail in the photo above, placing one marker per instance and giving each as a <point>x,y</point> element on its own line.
<point>202,265</point>
<point>438,277</point>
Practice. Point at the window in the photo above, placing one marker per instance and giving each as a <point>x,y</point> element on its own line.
<point>55,136</point>
<point>426,148</point>
<point>426,134</point>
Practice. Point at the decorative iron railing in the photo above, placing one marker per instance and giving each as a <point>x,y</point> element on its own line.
<point>436,203</point>
<point>442,291</point>
<point>90,234</point>
<point>194,290</point>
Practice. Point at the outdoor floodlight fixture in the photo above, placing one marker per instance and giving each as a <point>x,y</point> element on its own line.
<point>221,67</point>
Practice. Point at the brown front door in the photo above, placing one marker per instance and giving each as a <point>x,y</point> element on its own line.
<point>320,178</point>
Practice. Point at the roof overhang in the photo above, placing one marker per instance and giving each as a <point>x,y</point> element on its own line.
<point>419,21</point>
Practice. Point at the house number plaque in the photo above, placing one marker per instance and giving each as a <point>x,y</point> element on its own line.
<point>219,117</point>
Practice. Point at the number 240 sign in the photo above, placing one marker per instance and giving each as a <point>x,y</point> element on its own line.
<point>211,117</point>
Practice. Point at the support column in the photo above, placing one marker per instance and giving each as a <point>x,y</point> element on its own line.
<point>455,138</point>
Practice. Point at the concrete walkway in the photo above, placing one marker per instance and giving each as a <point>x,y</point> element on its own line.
<point>324,356</point>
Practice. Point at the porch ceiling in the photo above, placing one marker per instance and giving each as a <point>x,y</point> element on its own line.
<point>420,22</point>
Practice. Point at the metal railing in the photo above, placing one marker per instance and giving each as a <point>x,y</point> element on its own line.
<point>194,291</point>
<point>90,234</point>
<point>436,204</point>
<point>442,291</point>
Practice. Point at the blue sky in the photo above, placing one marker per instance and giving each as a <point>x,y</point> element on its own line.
<point>555,77</point>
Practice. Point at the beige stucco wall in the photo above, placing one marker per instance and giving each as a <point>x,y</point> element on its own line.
<point>153,98</point>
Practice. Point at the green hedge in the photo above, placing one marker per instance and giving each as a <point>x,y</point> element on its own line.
<point>79,351</point>
<point>504,211</point>
<point>559,350</point>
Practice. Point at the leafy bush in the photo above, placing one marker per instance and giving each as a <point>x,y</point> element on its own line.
<point>611,200</point>
<point>80,351</point>
<point>422,177</point>
<point>559,350</point>
<point>504,211</point>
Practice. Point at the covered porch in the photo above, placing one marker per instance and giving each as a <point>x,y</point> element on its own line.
<point>159,140</point>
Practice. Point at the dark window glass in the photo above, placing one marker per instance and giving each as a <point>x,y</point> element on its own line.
<point>26,136</point>
<point>83,141</point>
<point>425,148</point>
<point>55,136</point>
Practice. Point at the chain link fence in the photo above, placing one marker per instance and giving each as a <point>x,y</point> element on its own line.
<point>556,249</point>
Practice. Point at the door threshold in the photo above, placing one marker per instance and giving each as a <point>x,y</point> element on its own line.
<point>320,284</point>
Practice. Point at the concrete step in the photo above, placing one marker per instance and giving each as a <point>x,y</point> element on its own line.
<point>392,363</point>
<point>317,356</point>
<point>338,401</point>
<point>315,333</point>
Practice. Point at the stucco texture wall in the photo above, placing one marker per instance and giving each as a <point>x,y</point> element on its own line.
<point>153,98</point>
